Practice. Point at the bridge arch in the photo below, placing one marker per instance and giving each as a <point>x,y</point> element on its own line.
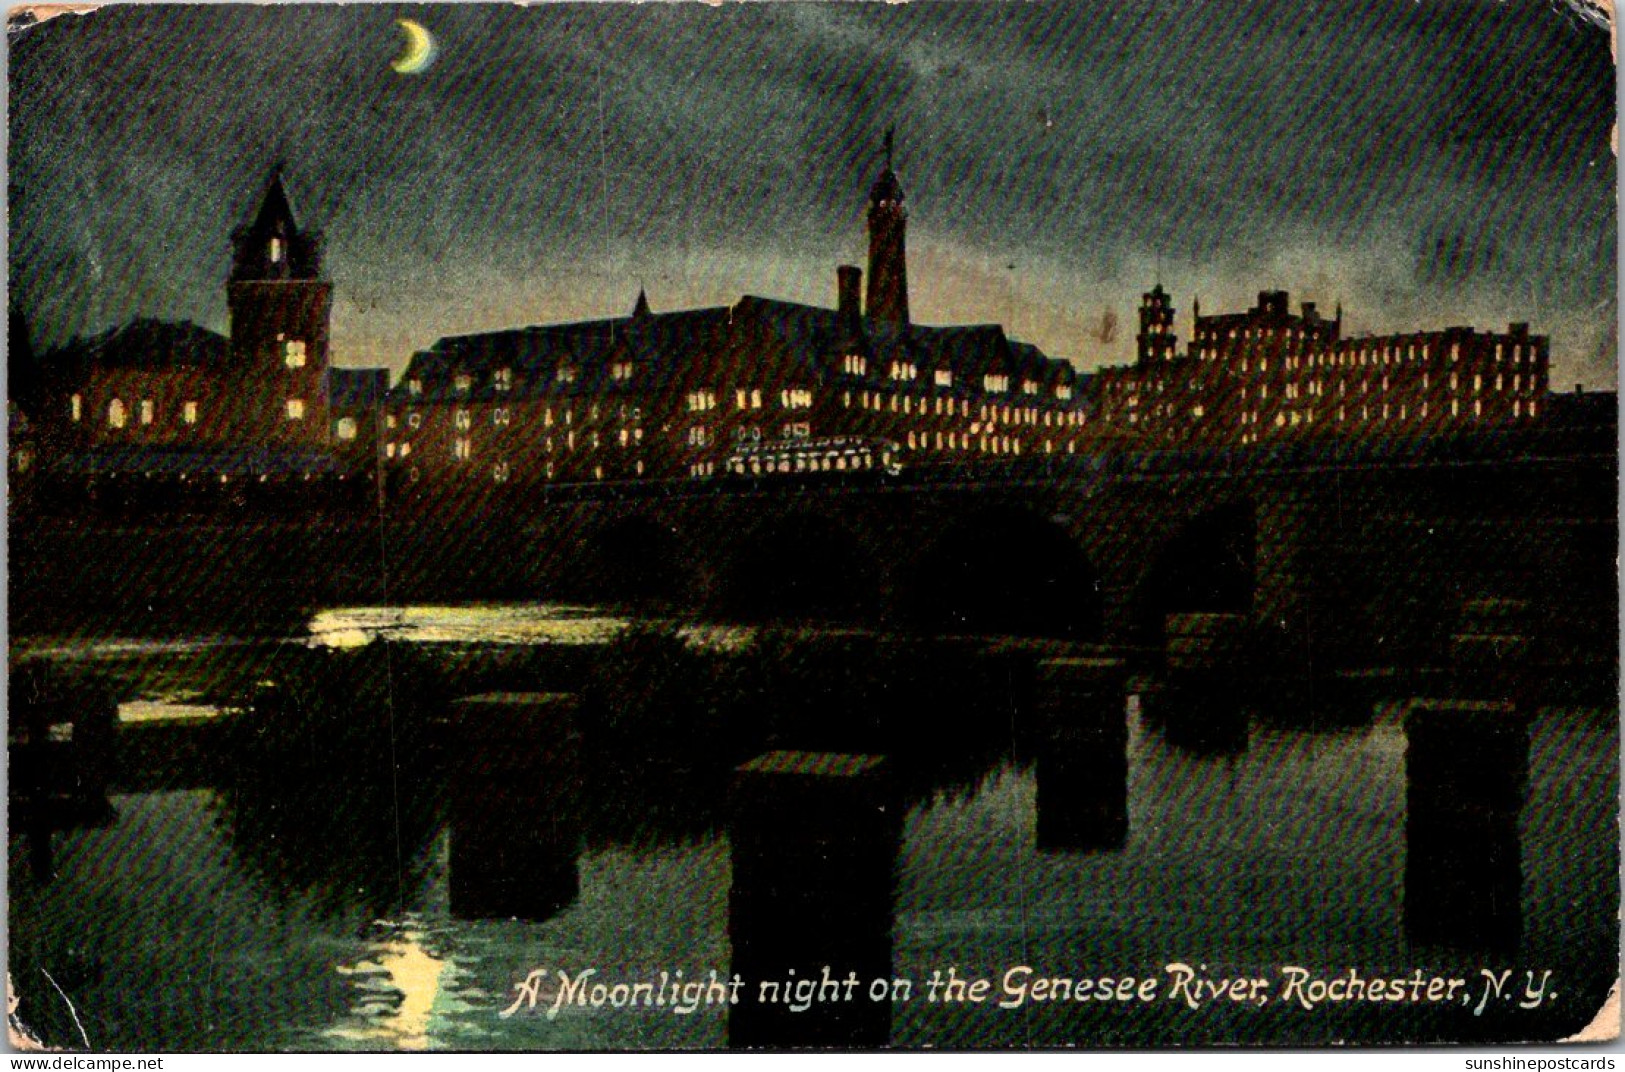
<point>1004,570</point>
<point>799,564</point>
<point>634,559</point>
<point>1208,565</point>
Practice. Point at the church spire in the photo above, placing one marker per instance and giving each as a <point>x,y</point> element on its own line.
<point>640,308</point>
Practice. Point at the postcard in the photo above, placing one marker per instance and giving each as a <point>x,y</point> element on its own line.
<point>976,526</point>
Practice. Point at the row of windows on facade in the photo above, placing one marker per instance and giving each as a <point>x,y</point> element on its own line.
<point>700,436</point>
<point>908,372</point>
<point>1366,356</point>
<point>502,471</point>
<point>502,379</point>
<point>502,416</point>
<point>1289,417</point>
<point>1318,387</point>
<point>704,400</point>
<point>462,445</point>
<point>1212,341</point>
<point>118,414</point>
<point>960,407</point>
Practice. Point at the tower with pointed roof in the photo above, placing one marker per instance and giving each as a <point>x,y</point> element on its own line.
<point>888,260</point>
<point>280,309</point>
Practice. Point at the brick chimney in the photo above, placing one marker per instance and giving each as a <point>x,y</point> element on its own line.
<point>848,293</point>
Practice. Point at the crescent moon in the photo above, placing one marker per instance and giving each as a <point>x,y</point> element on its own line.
<point>419,48</point>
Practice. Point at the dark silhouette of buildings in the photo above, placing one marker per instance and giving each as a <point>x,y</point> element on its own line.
<point>153,403</point>
<point>757,388</point>
<point>1267,374</point>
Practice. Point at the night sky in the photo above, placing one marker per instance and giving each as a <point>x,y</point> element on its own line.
<point>1427,163</point>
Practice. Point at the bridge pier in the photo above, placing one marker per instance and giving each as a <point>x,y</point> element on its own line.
<point>815,838</point>
<point>1082,754</point>
<point>1465,770</point>
<point>1202,703</point>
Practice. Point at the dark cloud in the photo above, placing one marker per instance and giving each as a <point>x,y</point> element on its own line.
<point>1427,163</point>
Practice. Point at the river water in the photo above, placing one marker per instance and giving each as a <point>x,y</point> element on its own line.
<point>176,928</point>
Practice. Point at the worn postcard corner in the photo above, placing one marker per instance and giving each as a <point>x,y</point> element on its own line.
<point>856,526</point>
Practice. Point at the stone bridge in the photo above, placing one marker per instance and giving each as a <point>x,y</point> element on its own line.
<point>1340,557</point>
<point>1337,562</point>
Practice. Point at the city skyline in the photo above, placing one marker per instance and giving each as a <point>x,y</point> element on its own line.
<point>1056,161</point>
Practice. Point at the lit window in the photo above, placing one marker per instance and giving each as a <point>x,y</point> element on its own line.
<point>500,472</point>
<point>389,450</point>
<point>414,420</point>
<point>76,407</point>
<point>855,365</point>
<point>1029,387</point>
<point>346,428</point>
<point>502,380</point>
<point>755,398</point>
<point>621,370</point>
<point>115,413</point>
<point>293,353</point>
<point>567,374</point>
<point>463,420</point>
<point>296,409</point>
<point>189,412</point>
<point>698,436</point>
<point>1063,392</point>
<point>944,378</point>
<point>276,251</point>
<point>462,383</point>
<point>146,411</point>
<point>501,417</point>
<point>990,382</point>
<point>406,449</point>
<point>461,448</point>
<point>415,386</point>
